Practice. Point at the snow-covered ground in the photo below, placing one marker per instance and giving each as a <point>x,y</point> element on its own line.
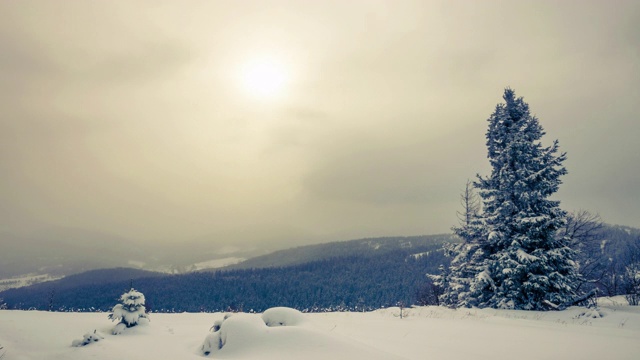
<point>218,263</point>
<point>425,333</point>
<point>182,269</point>
<point>26,280</point>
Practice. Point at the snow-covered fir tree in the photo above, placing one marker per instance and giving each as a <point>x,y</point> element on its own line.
<point>129,312</point>
<point>468,261</point>
<point>467,256</point>
<point>511,255</point>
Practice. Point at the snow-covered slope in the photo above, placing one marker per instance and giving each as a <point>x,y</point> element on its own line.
<point>26,280</point>
<point>360,248</point>
<point>218,263</point>
<point>426,333</point>
<point>199,266</point>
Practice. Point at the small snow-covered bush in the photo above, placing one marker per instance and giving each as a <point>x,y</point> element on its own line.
<point>129,312</point>
<point>282,316</point>
<point>87,339</point>
<point>593,313</point>
<point>213,341</point>
<point>216,325</point>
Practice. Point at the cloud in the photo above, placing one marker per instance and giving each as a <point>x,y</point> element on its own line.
<point>125,118</point>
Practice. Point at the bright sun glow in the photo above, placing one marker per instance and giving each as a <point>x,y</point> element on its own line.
<point>264,78</point>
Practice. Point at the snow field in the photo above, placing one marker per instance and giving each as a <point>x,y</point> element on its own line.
<point>427,333</point>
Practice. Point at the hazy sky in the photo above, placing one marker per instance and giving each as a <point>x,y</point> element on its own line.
<point>134,117</point>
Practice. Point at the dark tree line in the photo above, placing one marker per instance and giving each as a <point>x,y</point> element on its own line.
<point>341,283</point>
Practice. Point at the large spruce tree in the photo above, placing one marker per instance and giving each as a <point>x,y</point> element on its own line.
<point>512,255</point>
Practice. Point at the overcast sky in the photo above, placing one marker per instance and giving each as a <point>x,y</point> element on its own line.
<point>135,118</point>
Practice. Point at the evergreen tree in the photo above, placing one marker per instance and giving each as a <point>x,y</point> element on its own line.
<point>468,256</point>
<point>129,312</point>
<point>511,255</point>
<point>468,261</point>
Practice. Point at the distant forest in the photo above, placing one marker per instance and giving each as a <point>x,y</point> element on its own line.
<point>338,283</point>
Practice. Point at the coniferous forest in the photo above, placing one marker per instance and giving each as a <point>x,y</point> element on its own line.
<point>338,283</point>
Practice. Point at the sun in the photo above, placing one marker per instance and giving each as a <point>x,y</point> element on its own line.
<point>264,78</point>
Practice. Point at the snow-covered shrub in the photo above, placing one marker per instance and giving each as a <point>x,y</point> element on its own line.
<point>87,339</point>
<point>632,280</point>
<point>403,312</point>
<point>213,341</point>
<point>282,316</point>
<point>216,325</point>
<point>129,312</point>
<point>593,313</point>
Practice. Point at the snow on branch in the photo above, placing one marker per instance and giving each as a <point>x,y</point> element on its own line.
<point>524,257</point>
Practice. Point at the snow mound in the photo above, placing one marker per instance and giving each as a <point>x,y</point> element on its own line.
<point>88,338</point>
<point>248,336</point>
<point>234,332</point>
<point>237,330</point>
<point>613,301</point>
<point>283,316</point>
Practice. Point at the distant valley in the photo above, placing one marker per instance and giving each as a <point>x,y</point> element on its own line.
<point>73,251</point>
